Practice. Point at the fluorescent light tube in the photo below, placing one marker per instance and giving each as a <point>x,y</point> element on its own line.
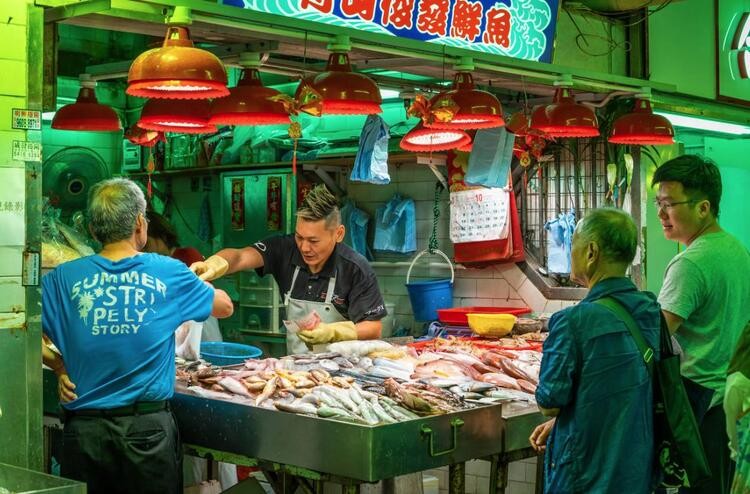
<point>389,93</point>
<point>705,124</point>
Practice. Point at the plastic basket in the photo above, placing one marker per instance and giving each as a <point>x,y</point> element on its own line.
<point>225,353</point>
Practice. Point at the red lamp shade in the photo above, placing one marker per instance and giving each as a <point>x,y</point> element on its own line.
<point>566,118</point>
<point>177,70</point>
<point>518,124</point>
<point>466,148</point>
<point>86,114</point>
<point>344,92</point>
<point>476,109</point>
<point>422,139</point>
<point>642,127</point>
<point>249,104</point>
<point>174,116</point>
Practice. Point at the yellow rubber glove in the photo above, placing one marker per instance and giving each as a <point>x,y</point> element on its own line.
<point>210,269</point>
<point>329,332</point>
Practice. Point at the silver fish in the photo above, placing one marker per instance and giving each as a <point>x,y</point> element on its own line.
<point>476,386</point>
<point>297,407</point>
<point>380,412</point>
<point>329,365</point>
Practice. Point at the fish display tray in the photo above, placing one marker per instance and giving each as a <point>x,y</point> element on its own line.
<point>362,452</point>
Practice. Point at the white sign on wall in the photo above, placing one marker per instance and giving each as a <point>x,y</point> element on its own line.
<point>26,151</point>
<point>12,206</point>
<point>24,119</point>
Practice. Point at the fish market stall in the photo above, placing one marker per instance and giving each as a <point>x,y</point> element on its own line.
<point>353,418</point>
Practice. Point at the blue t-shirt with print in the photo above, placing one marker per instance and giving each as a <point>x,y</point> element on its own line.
<point>114,324</point>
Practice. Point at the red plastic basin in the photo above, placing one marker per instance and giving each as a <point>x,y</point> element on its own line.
<point>457,315</point>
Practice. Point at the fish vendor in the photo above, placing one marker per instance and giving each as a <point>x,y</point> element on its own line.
<point>316,272</point>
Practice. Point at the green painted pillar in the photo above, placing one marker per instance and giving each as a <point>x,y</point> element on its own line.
<point>21,26</point>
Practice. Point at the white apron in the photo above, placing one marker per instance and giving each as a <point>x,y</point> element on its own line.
<point>297,309</point>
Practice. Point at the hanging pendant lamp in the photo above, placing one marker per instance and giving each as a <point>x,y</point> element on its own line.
<point>167,115</point>
<point>476,109</point>
<point>86,113</point>
<point>177,70</point>
<point>422,139</point>
<point>642,126</point>
<point>249,103</point>
<point>564,117</point>
<point>344,92</point>
<point>466,148</point>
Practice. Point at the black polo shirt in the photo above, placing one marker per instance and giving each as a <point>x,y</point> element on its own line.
<point>356,294</point>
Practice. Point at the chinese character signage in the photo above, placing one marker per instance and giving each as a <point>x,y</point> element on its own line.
<point>12,210</point>
<point>26,119</point>
<point>515,28</point>
<point>26,151</point>
<point>237,208</point>
<point>733,65</point>
<point>273,204</point>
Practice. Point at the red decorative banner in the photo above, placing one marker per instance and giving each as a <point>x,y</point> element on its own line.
<point>238,204</point>
<point>273,202</point>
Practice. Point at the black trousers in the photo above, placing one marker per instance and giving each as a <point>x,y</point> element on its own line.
<point>712,425</point>
<point>132,454</point>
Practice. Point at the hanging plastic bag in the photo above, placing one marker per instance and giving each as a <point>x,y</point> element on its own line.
<point>188,340</point>
<point>371,163</point>
<point>355,222</point>
<point>396,226</point>
<point>489,161</point>
<point>560,242</point>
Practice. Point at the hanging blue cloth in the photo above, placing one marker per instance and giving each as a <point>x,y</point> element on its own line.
<point>560,242</point>
<point>355,223</point>
<point>396,226</point>
<point>371,163</point>
<point>490,158</point>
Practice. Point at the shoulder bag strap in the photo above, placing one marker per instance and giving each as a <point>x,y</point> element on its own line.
<point>646,351</point>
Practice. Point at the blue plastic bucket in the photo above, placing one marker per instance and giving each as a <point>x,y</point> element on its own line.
<point>427,297</point>
<point>225,353</point>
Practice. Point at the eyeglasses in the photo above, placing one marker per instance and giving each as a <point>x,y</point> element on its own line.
<point>667,206</point>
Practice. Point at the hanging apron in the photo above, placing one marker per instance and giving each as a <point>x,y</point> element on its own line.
<point>297,309</point>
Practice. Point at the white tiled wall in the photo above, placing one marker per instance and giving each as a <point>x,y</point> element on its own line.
<point>500,285</point>
<point>521,477</point>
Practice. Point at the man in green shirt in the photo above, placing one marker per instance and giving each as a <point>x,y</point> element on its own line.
<point>704,297</point>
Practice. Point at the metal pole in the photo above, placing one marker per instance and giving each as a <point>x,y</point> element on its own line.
<point>457,478</point>
<point>499,473</point>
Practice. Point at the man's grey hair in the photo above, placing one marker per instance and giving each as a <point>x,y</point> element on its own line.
<point>114,205</point>
<point>320,204</point>
<point>613,230</point>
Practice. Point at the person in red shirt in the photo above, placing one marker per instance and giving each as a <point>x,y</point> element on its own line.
<point>162,239</point>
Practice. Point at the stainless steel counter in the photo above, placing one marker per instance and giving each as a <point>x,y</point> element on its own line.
<point>353,452</point>
<point>367,453</point>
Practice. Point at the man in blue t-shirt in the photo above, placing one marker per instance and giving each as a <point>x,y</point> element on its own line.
<point>593,378</point>
<point>113,316</point>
